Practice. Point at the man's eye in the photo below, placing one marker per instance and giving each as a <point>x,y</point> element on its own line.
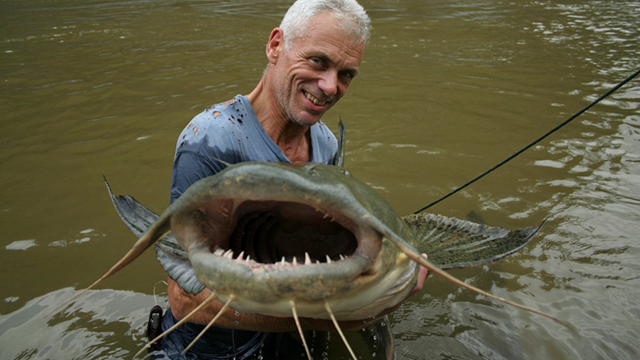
<point>347,74</point>
<point>316,61</point>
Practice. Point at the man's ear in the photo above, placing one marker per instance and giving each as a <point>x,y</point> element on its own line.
<point>275,45</point>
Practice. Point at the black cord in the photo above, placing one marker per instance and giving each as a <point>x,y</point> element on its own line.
<point>535,142</point>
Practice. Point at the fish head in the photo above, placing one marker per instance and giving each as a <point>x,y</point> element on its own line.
<point>271,233</point>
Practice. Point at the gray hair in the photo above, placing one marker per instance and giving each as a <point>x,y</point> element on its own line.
<point>351,15</point>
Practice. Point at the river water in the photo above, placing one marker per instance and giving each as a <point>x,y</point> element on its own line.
<point>447,89</point>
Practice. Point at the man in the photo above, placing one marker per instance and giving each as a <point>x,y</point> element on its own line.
<point>313,57</point>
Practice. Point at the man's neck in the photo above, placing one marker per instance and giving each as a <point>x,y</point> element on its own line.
<point>293,139</point>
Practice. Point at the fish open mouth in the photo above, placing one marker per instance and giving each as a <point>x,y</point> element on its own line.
<point>284,233</point>
<point>235,245</point>
<point>265,233</point>
<point>276,234</point>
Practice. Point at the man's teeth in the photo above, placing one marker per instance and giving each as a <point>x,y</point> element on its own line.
<point>314,99</point>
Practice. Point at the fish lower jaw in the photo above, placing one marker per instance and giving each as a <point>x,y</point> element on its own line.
<point>276,296</point>
<point>271,283</point>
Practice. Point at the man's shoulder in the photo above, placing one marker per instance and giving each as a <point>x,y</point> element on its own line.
<point>216,126</point>
<point>325,135</point>
<point>229,107</point>
<point>224,112</point>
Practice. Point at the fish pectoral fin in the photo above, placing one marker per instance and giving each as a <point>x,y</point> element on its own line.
<point>135,215</point>
<point>453,243</point>
<point>179,270</point>
<point>172,257</point>
<point>138,219</point>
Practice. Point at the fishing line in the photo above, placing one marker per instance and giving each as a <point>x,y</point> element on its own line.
<point>535,142</point>
<point>155,298</point>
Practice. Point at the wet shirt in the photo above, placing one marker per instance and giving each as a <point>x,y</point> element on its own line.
<point>231,132</point>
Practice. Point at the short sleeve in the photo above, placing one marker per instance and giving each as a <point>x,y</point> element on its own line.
<point>188,168</point>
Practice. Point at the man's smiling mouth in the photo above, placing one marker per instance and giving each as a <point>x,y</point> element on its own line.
<point>314,99</point>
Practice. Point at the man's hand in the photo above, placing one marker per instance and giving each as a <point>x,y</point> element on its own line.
<point>422,276</point>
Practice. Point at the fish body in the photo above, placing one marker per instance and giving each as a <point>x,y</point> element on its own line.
<point>308,233</point>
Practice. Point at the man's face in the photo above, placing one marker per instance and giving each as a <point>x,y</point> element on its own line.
<point>311,77</point>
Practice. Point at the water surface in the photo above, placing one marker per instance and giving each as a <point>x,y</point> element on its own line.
<point>447,90</point>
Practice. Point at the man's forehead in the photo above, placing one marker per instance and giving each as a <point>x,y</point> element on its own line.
<point>330,41</point>
<point>328,25</point>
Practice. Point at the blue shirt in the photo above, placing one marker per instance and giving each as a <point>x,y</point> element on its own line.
<point>231,132</point>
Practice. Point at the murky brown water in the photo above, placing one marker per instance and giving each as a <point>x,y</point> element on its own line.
<point>447,90</point>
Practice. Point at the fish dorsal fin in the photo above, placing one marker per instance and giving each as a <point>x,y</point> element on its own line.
<point>338,160</point>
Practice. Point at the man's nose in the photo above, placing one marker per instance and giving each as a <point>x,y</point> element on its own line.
<point>328,83</point>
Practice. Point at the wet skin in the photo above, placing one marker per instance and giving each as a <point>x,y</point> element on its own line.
<point>311,77</point>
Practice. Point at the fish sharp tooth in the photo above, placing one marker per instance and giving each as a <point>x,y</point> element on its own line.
<point>241,256</point>
<point>307,259</point>
<point>219,252</point>
<point>295,261</point>
<point>328,260</point>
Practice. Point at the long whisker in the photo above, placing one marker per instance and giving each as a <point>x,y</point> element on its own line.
<point>335,323</point>
<point>295,317</point>
<point>160,228</point>
<point>126,260</point>
<point>224,308</point>
<point>424,262</point>
<point>182,321</point>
